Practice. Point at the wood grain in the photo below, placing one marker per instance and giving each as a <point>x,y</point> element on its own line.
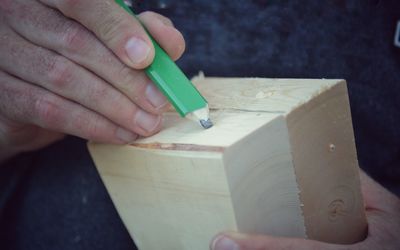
<point>325,162</point>
<point>280,160</point>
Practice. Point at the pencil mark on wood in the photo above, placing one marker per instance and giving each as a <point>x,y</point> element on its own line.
<point>250,111</point>
<point>179,147</point>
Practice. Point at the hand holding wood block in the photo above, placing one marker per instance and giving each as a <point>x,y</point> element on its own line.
<point>280,160</point>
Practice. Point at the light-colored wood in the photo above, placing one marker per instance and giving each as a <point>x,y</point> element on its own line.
<point>326,167</point>
<point>280,160</point>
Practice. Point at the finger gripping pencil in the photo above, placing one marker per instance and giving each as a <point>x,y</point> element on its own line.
<point>173,83</point>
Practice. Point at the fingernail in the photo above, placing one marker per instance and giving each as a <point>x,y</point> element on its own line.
<point>137,50</point>
<point>166,22</point>
<point>147,121</point>
<point>224,243</point>
<point>125,135</point>
<point>155,97</point>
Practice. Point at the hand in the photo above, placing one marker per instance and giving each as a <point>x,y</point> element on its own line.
<point>75,67</point>
<point>383,215</point>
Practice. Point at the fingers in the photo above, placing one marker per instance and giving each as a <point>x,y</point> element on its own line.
<point>19,137</point>
<point>162,29</point>
<point>236,241</point>
<point>116,28</point>
<point>377,197</point>
<point>25,103</point>
<point>121,32</point>
<point>383,215</point>
<point>75,42</point>
<point>63,77</point>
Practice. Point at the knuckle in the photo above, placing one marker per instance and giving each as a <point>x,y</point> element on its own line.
<point>47,113</point>
<point>110,28</point>
<point>126,75</point>
<point>102,97</point>
<point>60,73</point>
<point>76,39</point>
<point>69,5</point>
<point>93,129</point>
<point>131,84</point>
<point>137,92</point>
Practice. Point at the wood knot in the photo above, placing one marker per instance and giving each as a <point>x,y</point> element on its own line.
<point>332,147</point>
<point>338,203</point>
<point>336,209</point>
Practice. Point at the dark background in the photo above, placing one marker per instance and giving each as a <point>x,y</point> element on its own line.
<point>54,198</point>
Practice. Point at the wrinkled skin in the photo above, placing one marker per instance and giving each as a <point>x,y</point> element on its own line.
<point>383,215</point>
<point>76,67</point>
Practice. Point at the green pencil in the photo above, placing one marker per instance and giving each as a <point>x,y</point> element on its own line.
<point>173,83</point>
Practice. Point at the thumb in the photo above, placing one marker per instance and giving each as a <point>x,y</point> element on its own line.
<point>237,241</point>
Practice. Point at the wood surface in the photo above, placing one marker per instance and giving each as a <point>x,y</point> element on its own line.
<point>326,167</point>
<point>280,160</point>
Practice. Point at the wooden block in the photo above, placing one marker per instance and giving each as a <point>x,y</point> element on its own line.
<point>280,160</point>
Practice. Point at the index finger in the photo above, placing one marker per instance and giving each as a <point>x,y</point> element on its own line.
<point>116,28</point>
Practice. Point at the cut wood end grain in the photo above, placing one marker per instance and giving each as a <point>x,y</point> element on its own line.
<point>280,160</point>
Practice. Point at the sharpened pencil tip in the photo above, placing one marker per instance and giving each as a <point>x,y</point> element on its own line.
<point>206,123</point>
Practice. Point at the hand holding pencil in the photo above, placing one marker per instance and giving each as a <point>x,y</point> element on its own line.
<point>76,67</point>
<point>173,83</point>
